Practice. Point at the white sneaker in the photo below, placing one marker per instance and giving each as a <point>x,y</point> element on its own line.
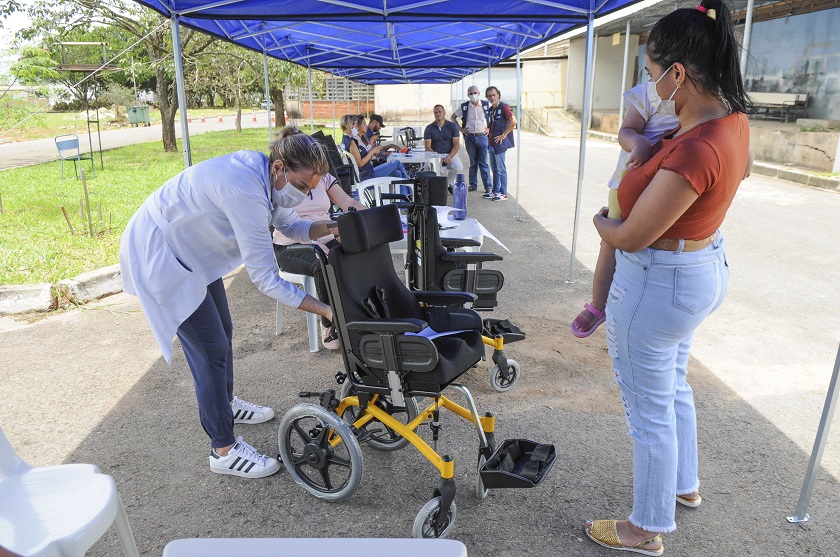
<point>249,413</point>
<point>243,460</point>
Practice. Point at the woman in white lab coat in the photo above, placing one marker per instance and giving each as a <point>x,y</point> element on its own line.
<point>199,226</point>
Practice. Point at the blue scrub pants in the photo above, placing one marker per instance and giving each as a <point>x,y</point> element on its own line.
<point>206,337</point>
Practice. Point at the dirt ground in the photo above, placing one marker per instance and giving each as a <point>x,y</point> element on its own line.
<point>89,385</point>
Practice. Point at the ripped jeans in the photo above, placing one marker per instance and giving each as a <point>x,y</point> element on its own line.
<point>656,301</point>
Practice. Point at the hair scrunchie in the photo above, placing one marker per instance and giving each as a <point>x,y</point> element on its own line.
<point>709,12</point>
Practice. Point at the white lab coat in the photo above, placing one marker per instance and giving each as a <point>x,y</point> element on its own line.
<point>199,226</point>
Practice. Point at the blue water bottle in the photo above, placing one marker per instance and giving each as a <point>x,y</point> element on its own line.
<point>459,195</point>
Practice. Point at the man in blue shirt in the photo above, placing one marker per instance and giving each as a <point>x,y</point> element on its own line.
<point>442,136</point>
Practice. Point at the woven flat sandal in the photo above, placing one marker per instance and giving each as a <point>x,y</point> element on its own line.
<point>603,532</point>
<point>693,503</point>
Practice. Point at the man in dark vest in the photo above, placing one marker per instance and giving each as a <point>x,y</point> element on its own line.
<point>502,122</point>
<point>474,116</point>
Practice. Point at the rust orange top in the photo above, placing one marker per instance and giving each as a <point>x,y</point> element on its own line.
<point>712,157</point>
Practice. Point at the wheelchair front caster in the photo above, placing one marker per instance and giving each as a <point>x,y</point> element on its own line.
<point>382,437</point>
<point>480,491</point>
<point>424,524</point>
<point>503,381</point>
<point>320,452</point>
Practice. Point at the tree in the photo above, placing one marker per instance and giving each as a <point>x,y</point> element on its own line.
<point>34,67</point>
<point>55,18</point>
<point>281,75</point>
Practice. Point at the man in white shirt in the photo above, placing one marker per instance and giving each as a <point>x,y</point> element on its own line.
<point>473,117</point>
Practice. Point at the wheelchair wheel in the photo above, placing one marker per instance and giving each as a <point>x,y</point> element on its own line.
<point>320,452</point>
<point>387,440</point>
<point>503,384</point>
<point>424,524</point>
<point>480,491</point>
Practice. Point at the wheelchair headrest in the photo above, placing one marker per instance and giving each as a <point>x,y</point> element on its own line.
<point>363,230</point>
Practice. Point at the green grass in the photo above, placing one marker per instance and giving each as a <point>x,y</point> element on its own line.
<point>36,245</point>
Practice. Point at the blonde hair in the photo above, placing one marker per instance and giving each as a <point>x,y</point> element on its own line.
<point>347,122</point>
<point>298,151</point>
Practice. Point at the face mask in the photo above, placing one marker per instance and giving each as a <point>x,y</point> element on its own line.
<point>667,107</point>
<point>289,196</point>
<point>473,97</point>
<point>354,132</point>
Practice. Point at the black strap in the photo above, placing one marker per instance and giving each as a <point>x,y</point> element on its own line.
<point>534,467</point>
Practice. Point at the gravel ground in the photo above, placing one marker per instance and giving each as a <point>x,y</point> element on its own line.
<point>89,385</point>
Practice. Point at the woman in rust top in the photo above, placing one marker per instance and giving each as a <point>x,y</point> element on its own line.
<point>671,266</point>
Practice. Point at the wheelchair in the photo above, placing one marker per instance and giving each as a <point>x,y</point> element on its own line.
<point>433,264</point>
<point>391,358</point>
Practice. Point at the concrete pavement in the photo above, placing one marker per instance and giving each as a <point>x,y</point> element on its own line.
<point>89,386</point>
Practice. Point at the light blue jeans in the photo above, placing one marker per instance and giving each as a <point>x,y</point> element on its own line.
<point>497,164</point>
<point>390,168</point>
<point>477,148</point>
<point>656,301</point>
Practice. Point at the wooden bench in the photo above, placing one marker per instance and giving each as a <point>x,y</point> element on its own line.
<point>786,107</point>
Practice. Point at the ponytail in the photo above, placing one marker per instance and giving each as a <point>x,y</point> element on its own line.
<point>703,40</point>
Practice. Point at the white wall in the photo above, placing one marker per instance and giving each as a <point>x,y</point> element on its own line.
<point>609,60</point>
<point>409,102</point>
<point>502,78</point>
<point>544,83</point>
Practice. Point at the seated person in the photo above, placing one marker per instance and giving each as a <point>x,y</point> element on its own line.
<point>443,136</point>
<point>315,207</point>
<point>364,156</point>
<point>375,124</point>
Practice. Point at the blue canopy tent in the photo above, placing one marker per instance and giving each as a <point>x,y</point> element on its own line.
<point>390,41</point>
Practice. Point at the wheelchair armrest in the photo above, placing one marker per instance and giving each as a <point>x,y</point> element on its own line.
<point>470,256</point>
<point>392,326</point>
<point>459,243</point>
<point>433,297</point>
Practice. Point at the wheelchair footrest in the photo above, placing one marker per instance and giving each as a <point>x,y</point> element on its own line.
<point>509,331</point>
<point>518,463</point>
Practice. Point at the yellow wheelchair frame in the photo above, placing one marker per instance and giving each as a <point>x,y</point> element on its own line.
<point>321,444</point>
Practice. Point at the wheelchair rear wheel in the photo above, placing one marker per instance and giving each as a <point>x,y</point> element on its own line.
<point>388,440</point>
<point>424,524</point>
<point>501,383</point>
<point>320,452</point>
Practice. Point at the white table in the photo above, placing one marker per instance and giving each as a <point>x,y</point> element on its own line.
<point>426,158</point>
<point>469,229</point>
<point>314,547</point>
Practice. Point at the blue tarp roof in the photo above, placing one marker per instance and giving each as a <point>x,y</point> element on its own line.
<point>387,41</point>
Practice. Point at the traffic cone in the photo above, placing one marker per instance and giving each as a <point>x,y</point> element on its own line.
<point>202,119</point>
<point>189,119</point>
<point>272,117</point>
<point>253,116</point>
<point>220,118</point>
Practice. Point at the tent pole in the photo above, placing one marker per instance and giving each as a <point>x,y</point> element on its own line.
<point>179,84</point>
<point>745,42</point>
<point>584,126</point>
<point>489,82</point>
<point>518,127</point>
<point>311,114</point>
<point>332,102</point>
<point>624,74</point>
<point>819,444</point>
<point>267,95</point>
<point>592,88</point>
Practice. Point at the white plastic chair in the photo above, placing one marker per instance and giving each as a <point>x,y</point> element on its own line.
<point>57,511</point>
<point>348,158</point>
<point>385,184</point>
<point>308,283</point>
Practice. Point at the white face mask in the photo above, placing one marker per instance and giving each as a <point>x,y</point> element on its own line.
<point>289,196</point>
<point>354,132</point>
<point>473,97</point>
<point>667,107</point>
